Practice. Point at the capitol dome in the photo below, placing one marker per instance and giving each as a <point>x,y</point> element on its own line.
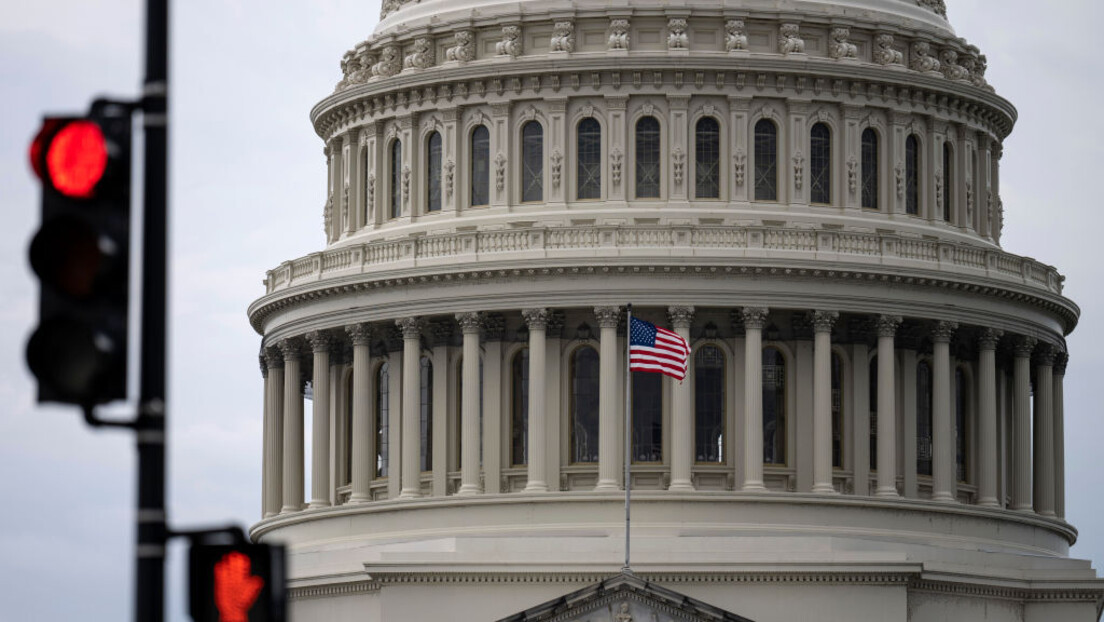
<point>807,191</point>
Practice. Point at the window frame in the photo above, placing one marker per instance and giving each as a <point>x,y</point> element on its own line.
<point>718,170</point>
<point>724,457</point>
<point>876,174</point>
<point>659,162</point>
<point>523,169</point>
<point>600,163</point>
<point>473,180</point>
<point>826,160</point>
<point>757,157</point>
<point>573,404</point>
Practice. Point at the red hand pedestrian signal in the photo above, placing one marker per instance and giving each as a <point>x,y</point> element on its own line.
<point>236,588</point>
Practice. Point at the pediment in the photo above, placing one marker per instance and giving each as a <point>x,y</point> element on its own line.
<point>624,598</point>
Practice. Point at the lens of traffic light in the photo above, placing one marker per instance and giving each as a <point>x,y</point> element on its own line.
<point>70,256</point>
<point>69,359</point>
<point>76,159</point>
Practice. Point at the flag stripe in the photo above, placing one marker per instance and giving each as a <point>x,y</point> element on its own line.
<point>654,349</point>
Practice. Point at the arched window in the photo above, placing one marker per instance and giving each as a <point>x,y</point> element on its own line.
<point>433,172</point>
<point>709,404</point>
<point>948,181</point>
<point>873,397</point>
<point>962,397</point>
<point>774,406</point>
<point>532,162</point>
<point>923,419</point>
<point>820,164</point>
<point>519,409</point>
<point>912,175</point>
<point>589,159</point>
<point>584,405</point>
<point>707,159</point>
<point>766,161</point>
<point>647,417</point>
<point>425,414</point>
<point>647,158</point>
<point>480,166</point>
<point>837,411</point>
<point>870,169</point>
<point>396,178</point>
<point>382,420</point>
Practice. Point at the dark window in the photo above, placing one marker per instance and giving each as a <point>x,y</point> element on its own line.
<point>532,162</point>
<point>709,406</point>
<point>433,173</point>
<point>774,407</point>
<point>346,476</point>
<point>647,158</point>
<point>519,409</point>
<point>382,420</point>
<point>870,169</point>
<point>766,161</point>
<point>589,171</point>
<point>396,179</point>
<point>707,159</point>
<point>912,176</point>
<point>837,411</point>
<point>923,419</point>
<point>425,414</point>
<point>961,406</point>
<point>948,181</point>
<point>820,164</point>
<point>647,417</point>
<point>480,166</point>
<point>584,405</point>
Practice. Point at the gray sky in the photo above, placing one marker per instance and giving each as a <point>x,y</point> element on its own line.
<point>247,182</point>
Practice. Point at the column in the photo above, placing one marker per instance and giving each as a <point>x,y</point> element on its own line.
<point>987,417</point>
<point>442,336</point>
<point>362,432</point>
<point>395,415</point>
<point>823,321</point>
<point>887,406</point>
<point>943,458</point>
<point>1059,435</point>
<point>320,429</point>
<point>755,318</point>
<point>1021,455</point>
<point>470,324</point>
<point>1044,430</point>
<point>537,321</point>
<point>273,432</point>
<point>411,471</point>
<point>608,388</point>
<point>293,428</point>
<point>494,326</point>
<point>682,409</point>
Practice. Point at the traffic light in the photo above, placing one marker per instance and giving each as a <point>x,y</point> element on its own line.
<point>81,256</point>
<point>237,583</point>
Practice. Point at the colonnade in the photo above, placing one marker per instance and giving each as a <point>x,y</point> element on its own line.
<point>1026,475</point>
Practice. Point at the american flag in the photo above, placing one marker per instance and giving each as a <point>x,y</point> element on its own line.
<point>654,349</point>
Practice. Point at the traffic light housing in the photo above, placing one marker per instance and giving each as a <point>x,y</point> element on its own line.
<point>237,583</point>
<point>81,256</point>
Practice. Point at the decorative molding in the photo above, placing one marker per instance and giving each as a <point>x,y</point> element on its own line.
<point>510,45</point>
<point>563,37</point>
<point>922,58</point>
<point>676,34</point>
<point>619,34</point>
<point>735,36</point>
<point>422,56</point>
<point>884,52</point>
<point>840,45</point>
<point>943,331</point>
<point>535,319</point>
<point>739,160</point>
<point>886,325</point>
<point>680,316</point>
<point>360,334</point>
<point>754,317</point>
<point>789,39</point>
<point>470,322</point>
<point>411,327</point>
<point>464,48</point>
<point>320,341</point>
<point>823,321</point>
<point>608,317</point>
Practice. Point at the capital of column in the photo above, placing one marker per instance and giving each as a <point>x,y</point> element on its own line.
<point>470,322</point>
<point>1024,346</point>
<point>535,319</point>
<point>1045,355</point>
<point>988,338</point>
<point>607,316</point>
<point>943,331</point>
<point>754,317</point>
<point>264,365</point>
<point>823,321</point>
<point>361,334</point>
<point>273,358</point>
<point>887,325</point>
<point>680,317</point>
<point>319,341</point>
<point>1060,361</point>
<point>291,349</point>
<point>411,327</point>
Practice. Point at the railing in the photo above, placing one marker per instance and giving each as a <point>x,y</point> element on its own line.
<point>858,249</point>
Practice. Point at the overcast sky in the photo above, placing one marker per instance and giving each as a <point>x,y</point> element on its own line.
<point>247,184</point>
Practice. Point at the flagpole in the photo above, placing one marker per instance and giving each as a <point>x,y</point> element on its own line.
<point>628,431</point>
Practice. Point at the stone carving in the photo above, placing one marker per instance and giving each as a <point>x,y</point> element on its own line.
<point>735,35</point>
<point>884,52</point>
<point>619,34</point>
<point>535,319</point>
<point>371,192</point>
<point>557,162</point>
<point>388,64</point>
<point>943,331</point>
<point>292,349</point>
<point>988,338</point>
<point>823,321</point>
<point>789,40</point>
<point>464,50</point>
<point>951,69</point>
<point>361,334</point>
<point>840,46</point>
<point>740,160</point>
<point>886,325</point>
<point>345,208</point>
<point>799,170</point>
<point>349,64</point>
<point>1022,346</point>
<point>450,171</point>
<point>422,56</point>
<point>853,175</point>
<point>922,59</point>
<point>500,171</point>
<point>608,317</point>
<point>563,37</point>
<point>680,316</point>
<point>939,7</point>
<point>623,614</point>
<point>939,191</point>
<point>327,215</point>
<point>319,341</point>
<point>978,75</point>
<point>754,317</point>
<point>406,185</point>
<point>899,173</point>
<point>676,34</point>
<point>678,161</point>
<point>411,327</point>
<point>470,322</point>
<point>969,200</point>
<point>511,42</point>
<point>615,165</point>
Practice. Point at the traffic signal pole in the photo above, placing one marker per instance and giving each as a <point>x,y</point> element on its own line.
<point>150,425</point>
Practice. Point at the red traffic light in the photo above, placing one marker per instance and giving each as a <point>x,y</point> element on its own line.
<point>236,587</point>
<point>237,583</point>
<point>76,159</point>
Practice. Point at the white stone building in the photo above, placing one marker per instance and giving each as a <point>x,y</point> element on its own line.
<point>809,191</point>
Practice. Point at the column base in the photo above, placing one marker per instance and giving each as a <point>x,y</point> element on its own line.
<point>887,493</point>
<point>536,487</point>
<point>1047,513</point>
<point>314,505</point>
<point>824,489</point>
<point>754,487</point>
<point>359,499</point>
<point>988,503</point>
<point>468,490</point>
<point>681,486</point>
<point>410,494</point>
<point>287,509</point>
<point>605,485</point>
<point>944,497</point>
<point>1023,508</point>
